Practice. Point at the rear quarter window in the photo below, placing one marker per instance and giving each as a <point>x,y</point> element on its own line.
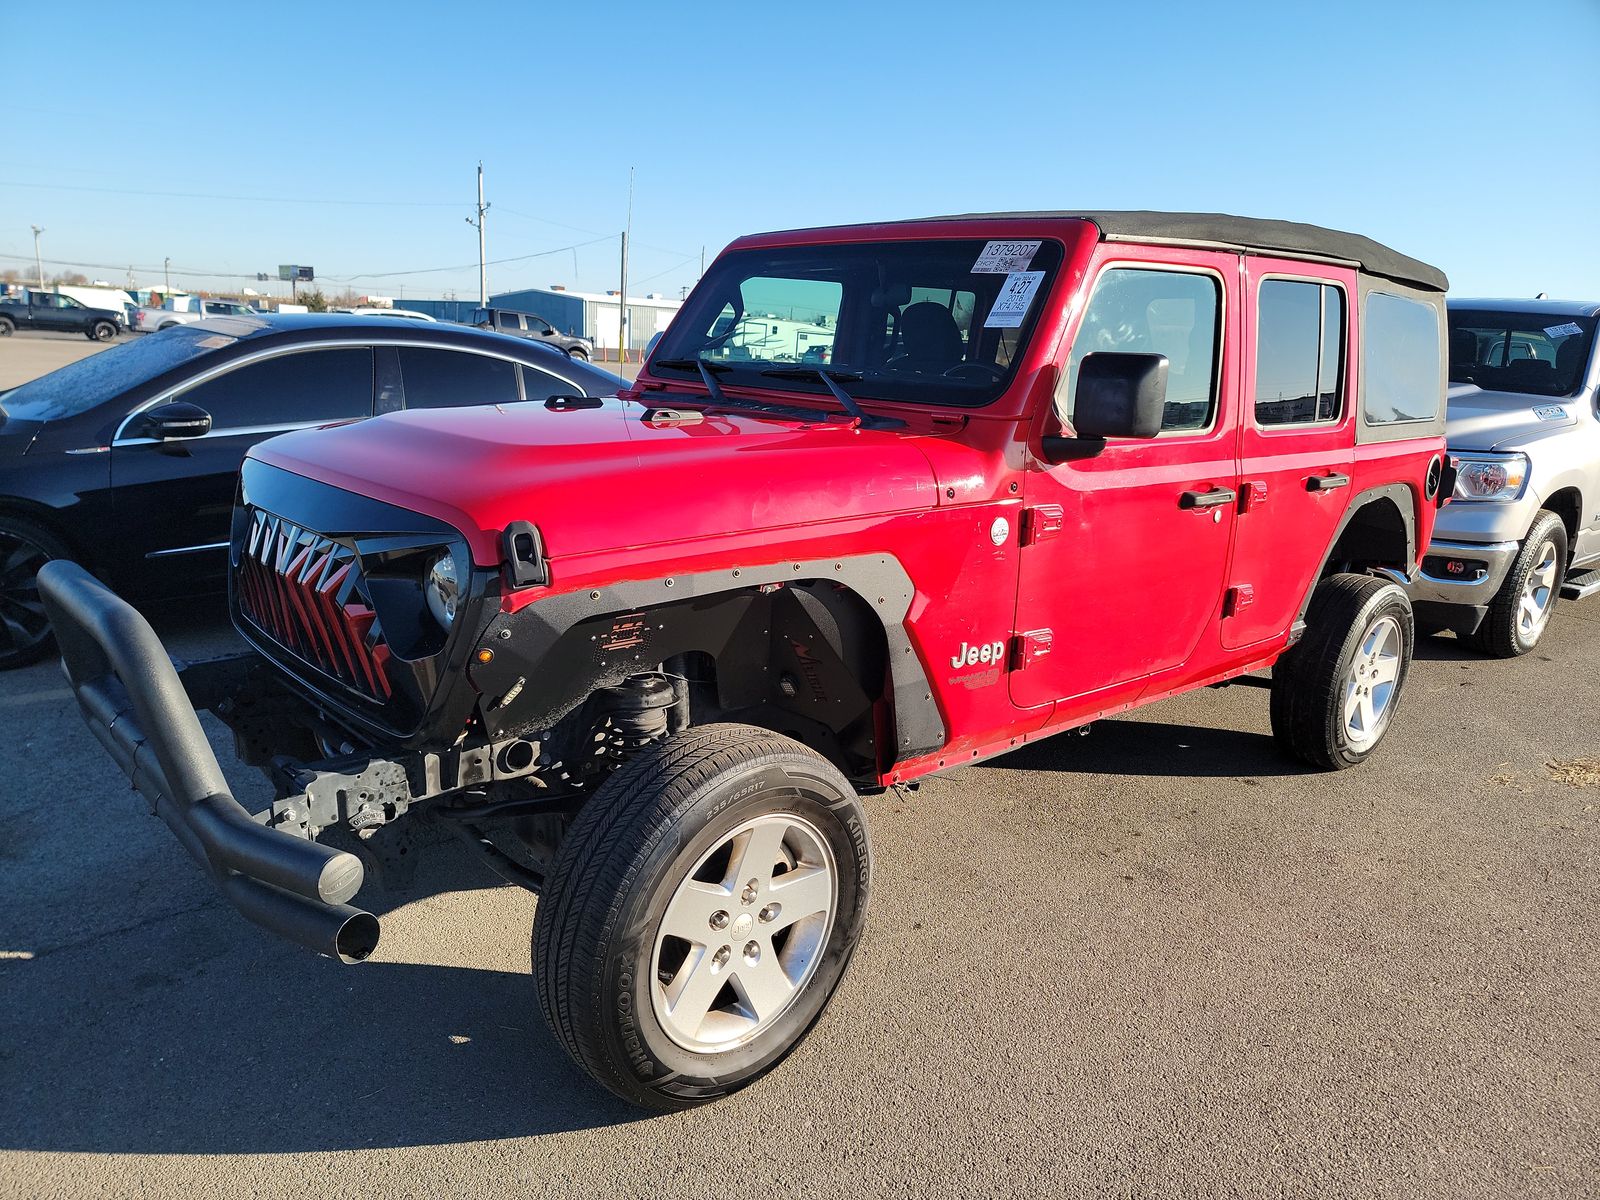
<point>1402,360</point>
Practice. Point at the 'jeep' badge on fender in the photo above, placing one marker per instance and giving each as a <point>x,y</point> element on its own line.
<point>970,655</point>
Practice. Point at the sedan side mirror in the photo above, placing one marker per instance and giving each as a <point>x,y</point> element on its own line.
<point>176,419</point>
<point>1118,396</point>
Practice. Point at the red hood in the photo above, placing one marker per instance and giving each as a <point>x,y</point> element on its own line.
<point>600,478</point>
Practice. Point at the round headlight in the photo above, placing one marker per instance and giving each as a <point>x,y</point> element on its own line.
<point>443,588</point>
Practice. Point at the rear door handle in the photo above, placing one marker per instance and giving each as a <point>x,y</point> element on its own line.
<point>1207,499</point>
<point>1326,483</point>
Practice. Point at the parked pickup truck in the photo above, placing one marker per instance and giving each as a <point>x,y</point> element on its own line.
<point>1524,530</point>
<point>47,310</point>
<point>647,654</point>
<point>185,310</point>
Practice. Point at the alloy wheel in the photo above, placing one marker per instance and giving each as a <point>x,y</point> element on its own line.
<point>743,933</point>
<point>1538,593</point>
<point>23,624</point>
<point>1370,686</point>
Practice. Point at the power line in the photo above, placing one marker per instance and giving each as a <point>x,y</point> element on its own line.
<point>61,262</point>
<point>74,187</point>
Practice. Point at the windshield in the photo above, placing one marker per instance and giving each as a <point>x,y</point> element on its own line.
<point>80,386</point>
<point>937,322</point>
<point>1540,354</point>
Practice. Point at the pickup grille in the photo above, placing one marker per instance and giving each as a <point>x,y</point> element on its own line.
<point>306,592</point>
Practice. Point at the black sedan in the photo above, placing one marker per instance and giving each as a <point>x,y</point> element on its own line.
<point>126,461</point>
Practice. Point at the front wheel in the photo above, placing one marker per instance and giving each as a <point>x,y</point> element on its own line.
<point>1520,611</point>
<point>579,353</point>
<point>702,911</point>
<point>102,331</point>
<point>1334,694</point>
<point>24,629</point>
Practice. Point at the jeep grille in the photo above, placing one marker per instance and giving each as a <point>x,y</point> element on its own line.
<point>306,592</point>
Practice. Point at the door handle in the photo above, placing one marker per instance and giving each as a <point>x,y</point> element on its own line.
<point>1207,499</point>
<point>1326,483</point>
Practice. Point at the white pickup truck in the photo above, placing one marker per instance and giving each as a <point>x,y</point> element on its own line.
<point>185,310</point>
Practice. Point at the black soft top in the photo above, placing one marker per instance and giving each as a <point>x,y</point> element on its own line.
<point>1224,232</point>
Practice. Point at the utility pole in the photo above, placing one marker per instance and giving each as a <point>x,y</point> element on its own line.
<point>166,272</point>
<point>38,263</point>
<point>622,304</point>
<point>483,266</point>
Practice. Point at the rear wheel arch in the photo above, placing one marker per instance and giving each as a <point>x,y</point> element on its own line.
<point>1378,533</point>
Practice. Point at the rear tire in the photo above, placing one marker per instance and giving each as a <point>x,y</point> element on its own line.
<point>25,635</point>
<point>702,911</point>
<point>6,327</point>
<point>1520,611</point>
<point>1335,693</point>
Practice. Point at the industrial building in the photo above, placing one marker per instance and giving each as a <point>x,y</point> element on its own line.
<point>591,315</point>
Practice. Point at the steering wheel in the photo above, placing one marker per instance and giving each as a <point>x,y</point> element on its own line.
<point>988,371</point>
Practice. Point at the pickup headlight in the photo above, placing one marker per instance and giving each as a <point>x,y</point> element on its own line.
<point>1501,478</point>
<point>443,588</point>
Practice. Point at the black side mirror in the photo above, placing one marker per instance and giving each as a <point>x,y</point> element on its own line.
<point>1118,396</point>
<point>175,419</point>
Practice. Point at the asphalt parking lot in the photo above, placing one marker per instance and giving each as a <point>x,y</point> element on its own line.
<point>1159,960</point>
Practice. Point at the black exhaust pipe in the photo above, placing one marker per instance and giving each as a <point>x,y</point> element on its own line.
<point>135,704</point>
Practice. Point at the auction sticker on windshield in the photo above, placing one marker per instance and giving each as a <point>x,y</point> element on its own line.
<point>1005,258</point>
<point>1011,305</point>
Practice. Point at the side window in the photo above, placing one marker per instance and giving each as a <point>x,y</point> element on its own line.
<point>289,389</point>
<point>1402,356</point>
<point>538,325</point>
<point>1175,313</point>
<point>508,320</point>
<point>541,385</point>
<point>455,379</point>
<point>1299,352</point>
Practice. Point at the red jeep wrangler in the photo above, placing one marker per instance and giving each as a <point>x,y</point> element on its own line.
<point>885,499</point>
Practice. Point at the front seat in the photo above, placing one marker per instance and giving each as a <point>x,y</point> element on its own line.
<point>1570,358</point>
<point>929,336</point>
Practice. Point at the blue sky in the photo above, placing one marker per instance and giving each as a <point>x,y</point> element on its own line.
<point>1459,131</point>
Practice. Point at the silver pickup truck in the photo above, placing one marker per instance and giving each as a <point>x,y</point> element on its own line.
<point>1523,529</point>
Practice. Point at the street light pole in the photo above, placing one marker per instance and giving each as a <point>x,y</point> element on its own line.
<point>38,263</point>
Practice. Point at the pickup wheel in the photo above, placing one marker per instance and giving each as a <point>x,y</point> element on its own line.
<point>579,353</point>
<point>702,911</point>
<point>24,629</point>
<point>7,327</point>
<point>1520,611</point>
<point>102,331</point>
<point>1334,694</point>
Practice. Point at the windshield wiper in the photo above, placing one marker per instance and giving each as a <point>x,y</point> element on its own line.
<point>691,364</point>
<point>863,418</point>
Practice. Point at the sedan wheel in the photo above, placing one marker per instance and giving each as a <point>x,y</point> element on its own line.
<point>24,628</point>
